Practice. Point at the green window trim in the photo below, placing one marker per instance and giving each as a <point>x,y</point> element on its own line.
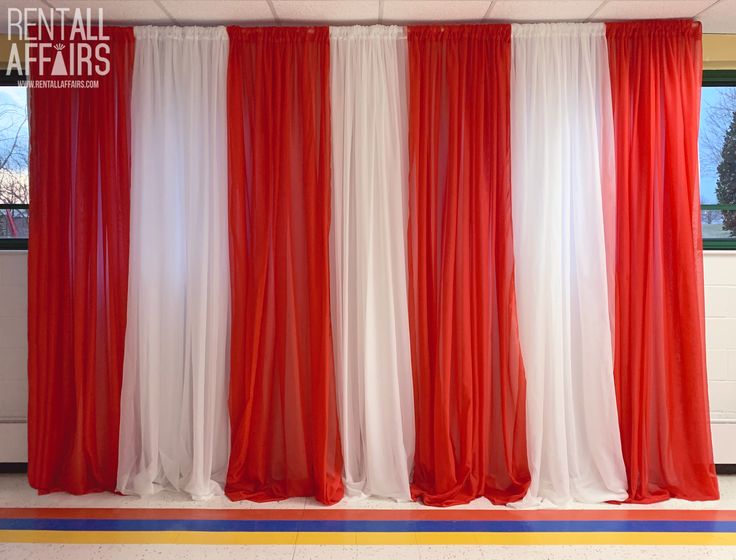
<point>723,243</point>
<point>719,78</point>
<point>716,78</point>
<point>718,206</point>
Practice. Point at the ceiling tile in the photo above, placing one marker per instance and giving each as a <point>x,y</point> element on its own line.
<point>117,11</point>
<point>434,10</point>
<point>649,9</point>
<point>721,18</point>
<point>327,11</point>
<point>543,10</point>
<point>218,11</point>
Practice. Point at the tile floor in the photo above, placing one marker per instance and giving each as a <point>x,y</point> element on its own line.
<point>15,493</point>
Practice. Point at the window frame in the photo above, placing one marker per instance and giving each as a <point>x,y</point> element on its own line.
<point>719,78</point>
<point>14,243</point>
<point>10,243</point>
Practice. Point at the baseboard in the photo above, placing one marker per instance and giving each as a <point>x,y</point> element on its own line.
<point>6,468</point>
<point>725,469</point>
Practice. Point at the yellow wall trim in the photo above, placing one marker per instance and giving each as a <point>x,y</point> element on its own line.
<point>719,51</point>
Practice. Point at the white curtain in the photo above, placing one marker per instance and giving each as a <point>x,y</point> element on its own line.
<point>174,429</point>
<point>368,258</point>
<point>562,171</point>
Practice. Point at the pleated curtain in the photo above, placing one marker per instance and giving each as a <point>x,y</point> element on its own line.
<point>283,412</point>
<point>562,173</point>
<point>174,421</point>
<point>656,74</point>
<point>466,359</point>
<point>437,263</point>
<point>79,172</point>
<point>368,259</point>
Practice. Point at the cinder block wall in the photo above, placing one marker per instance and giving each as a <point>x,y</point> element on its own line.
<point>13,355</point>
<point>720,343</point>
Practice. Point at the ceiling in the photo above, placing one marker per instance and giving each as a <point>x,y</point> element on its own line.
<point>718,16</point>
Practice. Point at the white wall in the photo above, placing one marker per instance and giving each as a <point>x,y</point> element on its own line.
<point>13,355</point>
<point>720,343</point>
<point>720,313</point>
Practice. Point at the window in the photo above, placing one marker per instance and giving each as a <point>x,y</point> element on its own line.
<point>717,146</point>
<point>14,194</point>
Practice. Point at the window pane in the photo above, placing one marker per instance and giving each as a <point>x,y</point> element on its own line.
<point>718,160</point>
<point>14,223</point>
<point>13,145</point>
<point>718,224</point>
<point>13,162</point>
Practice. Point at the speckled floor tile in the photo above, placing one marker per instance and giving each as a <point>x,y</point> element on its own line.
<point>363,503</point>
<point>143,552</point>
<point>609,553</point>
<point>17,551</point>
<point>464,552</point>
<point>291,503</point>
<point>315,552</point>
<point>337,552</point>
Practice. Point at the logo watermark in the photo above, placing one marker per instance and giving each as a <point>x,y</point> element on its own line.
<point>58,47</point>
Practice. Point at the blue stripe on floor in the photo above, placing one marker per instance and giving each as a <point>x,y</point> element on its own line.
<point>398,526</point>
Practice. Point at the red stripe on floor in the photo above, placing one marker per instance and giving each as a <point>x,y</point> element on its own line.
<point>367,515</point>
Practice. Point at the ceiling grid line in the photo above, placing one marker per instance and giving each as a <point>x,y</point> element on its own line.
<point>489,9</point>
<point>275,14</point>
<point>165,11</point>
<point>598,9</point>
<point>701,12</point>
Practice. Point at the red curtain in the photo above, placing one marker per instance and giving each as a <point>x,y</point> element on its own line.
<point>78,274</point>
<point>656,72</point>
<point>285,439</point>
<point>469,386</point>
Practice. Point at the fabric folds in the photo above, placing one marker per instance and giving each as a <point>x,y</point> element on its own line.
<point>438,263</point>
<point>656,72</point>
<point>562,164</point>
<point>79,172</point>
<point>469,388</point>
<point>368,258</point>
<point>174,423</point>
<point>285,437</point>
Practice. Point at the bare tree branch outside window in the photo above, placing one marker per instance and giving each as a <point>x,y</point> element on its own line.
<point>13,162</point>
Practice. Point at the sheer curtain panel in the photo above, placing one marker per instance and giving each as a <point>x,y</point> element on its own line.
<point>562,142</point>
<point>79,172</point>
<point>368,258</point>
<point>174,422</point>
<point>285,436</point>
<point>466,360</point>
<point>656,74</point>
